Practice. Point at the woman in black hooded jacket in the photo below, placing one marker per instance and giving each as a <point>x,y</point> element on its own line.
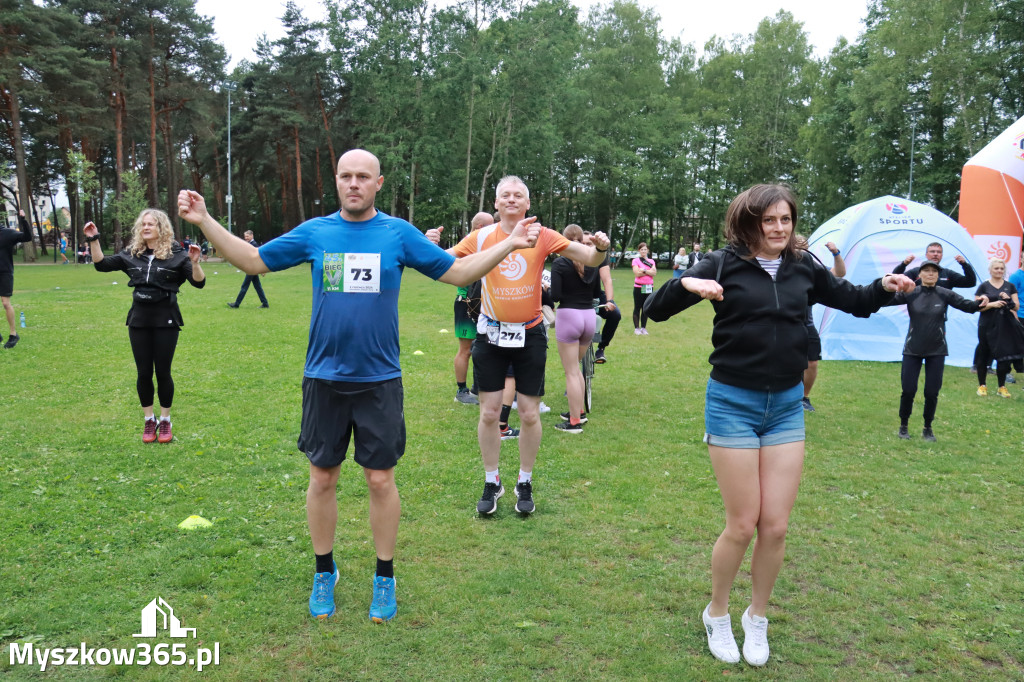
<point>926,341</point>
<point>156,267</point>
<point>760,286</point>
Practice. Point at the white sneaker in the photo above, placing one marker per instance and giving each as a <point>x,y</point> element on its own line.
<point>720,639</point>
<point>755,638</point>
<point>543,409</point>
<point>637,332</point>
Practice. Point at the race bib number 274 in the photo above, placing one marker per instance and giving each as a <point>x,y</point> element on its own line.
<point>352,273</point>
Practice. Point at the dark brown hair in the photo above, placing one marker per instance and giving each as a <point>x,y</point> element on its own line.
<point>743,219</point>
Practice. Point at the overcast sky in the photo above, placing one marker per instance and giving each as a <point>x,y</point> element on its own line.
<point>239,24</point>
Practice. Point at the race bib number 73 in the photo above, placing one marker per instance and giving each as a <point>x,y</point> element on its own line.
<point>352,273</point>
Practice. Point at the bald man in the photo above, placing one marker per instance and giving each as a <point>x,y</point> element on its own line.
<point>465,329</point>
<point>352,386</point>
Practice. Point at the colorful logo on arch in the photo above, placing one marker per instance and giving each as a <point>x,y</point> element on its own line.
<point>1018,144</point>
<point>897,209</point>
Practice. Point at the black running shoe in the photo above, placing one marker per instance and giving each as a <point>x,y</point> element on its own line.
<point>568,427</point>
<point>927,434</point>
<point>583,416</point>
<point>509,433</point>
<point>904,433</point>
<point>489,500</point>
<point>599,357</point>
<point>12,341</point>
<point>524,496</point>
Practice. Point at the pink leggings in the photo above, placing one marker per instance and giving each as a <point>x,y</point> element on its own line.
<point>573,325</point>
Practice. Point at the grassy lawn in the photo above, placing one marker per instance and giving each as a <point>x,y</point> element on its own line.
<point>905,558</point>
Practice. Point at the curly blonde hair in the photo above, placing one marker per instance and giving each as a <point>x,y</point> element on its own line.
<point>164,230</point>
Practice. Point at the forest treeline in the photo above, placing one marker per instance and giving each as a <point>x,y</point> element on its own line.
<point>613,124</point>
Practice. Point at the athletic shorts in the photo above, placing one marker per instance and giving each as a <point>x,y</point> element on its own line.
<point>6,284</point>
<point>333,410</point>
<point>464,327</point>
<point>748,419</point>
<point>573,325</point>
<point>491,364</point>
<point>813,344</point>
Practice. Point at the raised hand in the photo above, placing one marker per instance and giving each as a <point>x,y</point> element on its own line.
<point>600,241</point>
<point>526,232</point>
<point>191,206</point>
<point>194,252</point>
<point>909,259</point>
<point>90,229</point>
<point>960,259</point>
<point>434,234</point>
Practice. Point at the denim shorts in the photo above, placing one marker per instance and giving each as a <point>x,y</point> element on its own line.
<point>747,419</point>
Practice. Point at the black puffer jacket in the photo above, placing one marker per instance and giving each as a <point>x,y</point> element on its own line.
<point>760,334</point>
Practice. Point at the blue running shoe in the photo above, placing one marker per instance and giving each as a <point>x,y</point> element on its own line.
<point>321,600</point>
<point>384,606</point>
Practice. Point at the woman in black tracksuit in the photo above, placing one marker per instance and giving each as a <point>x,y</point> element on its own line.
<point>156,267</point>
<point>926,340</point>
<point>760,286</point>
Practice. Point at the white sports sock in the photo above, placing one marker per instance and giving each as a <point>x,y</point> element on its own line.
<point>492,476</point>
<point>525,476</point>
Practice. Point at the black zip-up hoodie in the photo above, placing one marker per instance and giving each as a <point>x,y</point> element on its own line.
<point>168,274</point>
<point>760,334</point>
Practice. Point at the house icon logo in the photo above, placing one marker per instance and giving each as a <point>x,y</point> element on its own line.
<point>159,614</point>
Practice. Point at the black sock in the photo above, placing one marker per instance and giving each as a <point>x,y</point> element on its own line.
<point>506,410</point>
<point>325,562</point>
<point>385,569</point>
<point>461,384</point>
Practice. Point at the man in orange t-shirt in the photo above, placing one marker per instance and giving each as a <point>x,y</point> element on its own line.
<point>510,332</point>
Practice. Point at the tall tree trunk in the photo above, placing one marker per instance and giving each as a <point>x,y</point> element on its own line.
<point>151,194</point>
<point>19,163</point>
<point>319,186</point>
<point>117,101</point>
<point>171,162</point>
<point>298,176</point>
<point>412,192</point>
<point>327,124</point>
<point>469,154</point>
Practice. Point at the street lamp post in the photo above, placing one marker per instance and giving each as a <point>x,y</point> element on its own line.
<point>229,87</point>
<point>913,110</point>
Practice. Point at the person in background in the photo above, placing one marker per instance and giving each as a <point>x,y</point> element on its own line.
<point>574,287</point>
<point>813,339</point>
<point>465,329</point>
<point>156,267</point>
<point>947,278</point>
<point>607,309</point>
<point>644,271</point>
<point>1000,336</point>
<point>760,286</point>
<point>1017,280</point>
<point>926,342</point>
<point>9,240</point>
<point>254,280</point>
<point>679,263</point>
<point>695,256</point>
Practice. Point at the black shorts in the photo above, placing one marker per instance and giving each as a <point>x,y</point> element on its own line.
<point>813,344</point>
<point>333,410</point>
<point>6,284</point>
<point>491,363</point>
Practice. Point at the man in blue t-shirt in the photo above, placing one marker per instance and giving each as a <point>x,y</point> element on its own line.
<point>352,384</point>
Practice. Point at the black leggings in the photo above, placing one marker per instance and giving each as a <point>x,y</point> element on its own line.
<point>639,316</point>
<point>153,348</point>
<point>611,323</point>
<point>911,371</point>
<point>983,358</point>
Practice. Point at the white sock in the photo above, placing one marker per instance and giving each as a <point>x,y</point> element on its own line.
<point>146,419</point>
<point>525,476</point>
<point>165,419</point>
<point>492,476</point>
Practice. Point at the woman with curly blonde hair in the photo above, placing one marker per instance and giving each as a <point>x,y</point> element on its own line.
<point>156,267</point>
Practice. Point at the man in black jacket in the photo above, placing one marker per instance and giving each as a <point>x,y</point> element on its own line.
<point>695,256</point>
<point>947,278</point>
<point>254,280</point>
<point>9,240</point>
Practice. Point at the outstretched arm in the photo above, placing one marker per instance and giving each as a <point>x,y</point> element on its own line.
<point>839,268</point>
<point>240,253</point>
<point>588,255</point>
<point>466,270</point>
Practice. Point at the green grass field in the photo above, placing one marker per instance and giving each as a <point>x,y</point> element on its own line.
<point>905,558</point>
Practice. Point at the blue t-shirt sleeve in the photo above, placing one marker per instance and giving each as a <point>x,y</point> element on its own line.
<point>288,250</point>
<point>423,255</point>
